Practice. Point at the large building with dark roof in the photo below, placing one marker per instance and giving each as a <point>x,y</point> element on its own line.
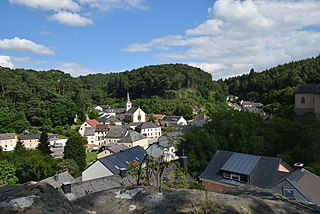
<point>114,164</point>
<point>307,100</point>
<point>231,169</point>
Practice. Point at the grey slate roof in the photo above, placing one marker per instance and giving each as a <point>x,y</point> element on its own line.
<point>132,110</point>
<point>58,179</point>
<point>53,136</point>
<point>117,132</point>
<point>115,110</point>
<point>132,136</point>
<point>308,89</point>
<point>147,125</point>
<point>263,170</point>
<point>108,120</point>
<point>171,118</point>
<point>29,136</point>
<point>199,120</point>
<point>7,136</point>
<point>121,159</point>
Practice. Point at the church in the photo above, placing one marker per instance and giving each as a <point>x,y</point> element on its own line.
<point>133,114</point>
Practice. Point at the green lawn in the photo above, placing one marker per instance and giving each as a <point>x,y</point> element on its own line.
<point>91,156</point>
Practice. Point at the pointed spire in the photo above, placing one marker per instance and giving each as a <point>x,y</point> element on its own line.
<point>128,98</point>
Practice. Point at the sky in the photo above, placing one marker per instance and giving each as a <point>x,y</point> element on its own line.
<point>223,37</point>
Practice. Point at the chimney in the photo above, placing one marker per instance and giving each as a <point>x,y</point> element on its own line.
<point>66,187</point>
<point>56,177</point>
<point>123,172</point>
<point>298,165</point>
<point>183,160</point>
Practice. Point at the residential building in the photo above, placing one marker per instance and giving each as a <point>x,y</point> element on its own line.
<point>115,133</point>
<point>157,118</point>
<point>100,134</point>
<point>229,169</point>
<point>150,130</point>
<point>115,164</point>
<point>165,147</point>
<point>30,141</point>
<point>200,120</point>
<point>110,120</point>
<point>133,138</point>
<point>307,100</point>
<point>88,123</point>
<point>8,141</point>
<point>110,149</point>
<point>173,121</point>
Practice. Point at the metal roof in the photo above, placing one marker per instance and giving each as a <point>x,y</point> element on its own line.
<point>241,163</point>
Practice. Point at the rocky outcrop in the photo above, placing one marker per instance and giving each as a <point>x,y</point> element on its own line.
<point>42,198</point>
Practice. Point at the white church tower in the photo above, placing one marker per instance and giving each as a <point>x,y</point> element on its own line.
<point>128,104</point>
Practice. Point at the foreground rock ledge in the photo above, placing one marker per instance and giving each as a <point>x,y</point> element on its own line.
<point>42,198</point>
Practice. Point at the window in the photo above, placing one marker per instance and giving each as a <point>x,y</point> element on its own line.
<point>288,192</point>
<point>303,101</point>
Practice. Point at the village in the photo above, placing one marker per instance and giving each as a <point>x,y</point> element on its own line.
<point>121,136</point>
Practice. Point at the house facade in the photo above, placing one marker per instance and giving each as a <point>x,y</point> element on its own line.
<point>87,123</point>
<point>30,141</point>
<point>173,121</point>
<point>150,130</point>
<point>307,100</point>
<point>8,141</point>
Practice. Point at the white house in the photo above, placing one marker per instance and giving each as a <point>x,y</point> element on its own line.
<point>88,123</point>
<point>173,121</point>
<point>8,141</point>
<point>150,130</point>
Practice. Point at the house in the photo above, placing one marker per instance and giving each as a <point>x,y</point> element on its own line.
<point>110,120</point>
<point>110,149</point>
<point>150,130</point>
<point>157,118</point>
<point>89,133</point>
<point>173,120</point>
<point>100,134</point>
<point>163,147</point>
<point>8,141</point>
<point>299,185</point>
<point>199,120</point>
<point>115,164</point>
<point>115,133</point>
<point>88,123</point>
<point>307,100</point>
<point>133,138</point>
<point>230,169</point>
<point>30,141</point>
<point>98,108</point>
<point>133,114</point>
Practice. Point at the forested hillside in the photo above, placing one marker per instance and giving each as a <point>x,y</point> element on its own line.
<point>276,84</point>
<point>52,98</point>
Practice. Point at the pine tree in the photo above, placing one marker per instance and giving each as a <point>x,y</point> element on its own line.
<point>44,145</point>
<point>75,149</point>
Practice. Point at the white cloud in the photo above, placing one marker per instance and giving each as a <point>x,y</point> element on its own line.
<point>5,61</point>
<point>240,35</point>
<point>74,69</point>
<point>115,4</point>
<point>49,4</point>
<point>17,44</point>
<point>71,19</point>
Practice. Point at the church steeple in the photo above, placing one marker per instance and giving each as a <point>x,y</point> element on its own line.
<point>128,104</point>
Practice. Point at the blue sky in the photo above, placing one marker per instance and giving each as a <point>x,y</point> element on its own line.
<point>223,37</point>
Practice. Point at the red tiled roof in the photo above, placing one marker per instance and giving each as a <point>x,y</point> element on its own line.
<point>93,122</point>
<point>158,116</point>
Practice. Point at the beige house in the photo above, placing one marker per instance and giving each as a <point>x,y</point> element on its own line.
<point>8,141</point>
<point>307,100</point>
<point>133,138</point>
<point>30,141</point>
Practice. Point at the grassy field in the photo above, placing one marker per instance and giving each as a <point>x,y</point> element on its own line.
<point>91,156</point>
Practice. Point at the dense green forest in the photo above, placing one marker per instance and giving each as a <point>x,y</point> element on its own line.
<point>276,84</point>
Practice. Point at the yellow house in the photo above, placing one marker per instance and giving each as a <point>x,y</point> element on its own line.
<point>30,141</point>
<point>307,100</point>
